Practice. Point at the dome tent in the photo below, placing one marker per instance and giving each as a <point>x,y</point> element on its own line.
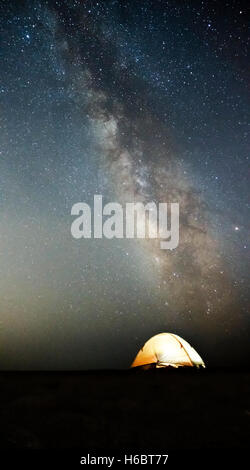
<point>167,350</point>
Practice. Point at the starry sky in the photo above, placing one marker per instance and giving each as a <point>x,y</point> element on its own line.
<point>138,101</point>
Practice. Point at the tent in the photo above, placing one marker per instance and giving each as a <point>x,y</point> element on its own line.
<point>165,350</point>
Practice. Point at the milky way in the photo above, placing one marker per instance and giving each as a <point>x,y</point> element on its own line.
<point>140,104</point>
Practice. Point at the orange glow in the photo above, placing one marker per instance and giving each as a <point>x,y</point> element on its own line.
<point>167,349</point>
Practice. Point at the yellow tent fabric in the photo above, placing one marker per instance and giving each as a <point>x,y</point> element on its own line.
<point>167,349</point>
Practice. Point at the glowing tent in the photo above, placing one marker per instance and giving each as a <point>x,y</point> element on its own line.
<point>167,349</point>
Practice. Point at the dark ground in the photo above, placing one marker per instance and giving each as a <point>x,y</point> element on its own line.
<point>156,409</point>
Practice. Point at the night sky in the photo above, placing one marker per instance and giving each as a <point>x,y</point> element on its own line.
<point>137,101</point>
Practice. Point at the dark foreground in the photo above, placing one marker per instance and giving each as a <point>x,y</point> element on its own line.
<point>148,410</point>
